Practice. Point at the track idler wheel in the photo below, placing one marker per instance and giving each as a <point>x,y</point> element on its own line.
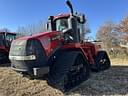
<point>102,61</point>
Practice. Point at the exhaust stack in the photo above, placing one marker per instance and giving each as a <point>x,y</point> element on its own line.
<point>70,6</point>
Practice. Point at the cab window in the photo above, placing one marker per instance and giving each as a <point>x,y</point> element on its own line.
<point>61,24</point>
<point>80,28</point>
<point>9,39</point>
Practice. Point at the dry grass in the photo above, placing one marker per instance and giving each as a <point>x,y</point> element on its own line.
<point>109,82</point>
<point>13,84</point>
<point>120,62</point>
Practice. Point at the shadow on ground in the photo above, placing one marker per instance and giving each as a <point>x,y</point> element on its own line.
<point>113,81</point>
<point>5,65</point>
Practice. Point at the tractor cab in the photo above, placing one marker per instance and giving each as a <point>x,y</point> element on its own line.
<point>72,25</point>
<point>5,43</point>
<point>6,39</point>
<point>58,54</point>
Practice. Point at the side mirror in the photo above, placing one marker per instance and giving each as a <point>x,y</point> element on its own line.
<point>82,19</point>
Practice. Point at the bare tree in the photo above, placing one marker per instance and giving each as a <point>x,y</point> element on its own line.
<point>107,34</point>
<point>31,29</point>
<point>123,28</point>
<point>4,30</point>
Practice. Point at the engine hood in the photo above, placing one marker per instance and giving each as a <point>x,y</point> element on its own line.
<point>38,35</point>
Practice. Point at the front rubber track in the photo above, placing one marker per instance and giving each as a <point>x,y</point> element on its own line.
<point>69,70</point>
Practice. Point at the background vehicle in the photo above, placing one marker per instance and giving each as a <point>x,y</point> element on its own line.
<point>61,52</point>
<point>5,43</point>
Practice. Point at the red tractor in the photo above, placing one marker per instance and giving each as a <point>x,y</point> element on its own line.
<point>61,52</point>
<point>5,43</point>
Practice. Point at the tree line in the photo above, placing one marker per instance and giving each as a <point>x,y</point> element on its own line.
<point>110,33</point>
<point>113,35</point>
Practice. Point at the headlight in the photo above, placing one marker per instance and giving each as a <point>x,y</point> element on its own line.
<point>30,57</point>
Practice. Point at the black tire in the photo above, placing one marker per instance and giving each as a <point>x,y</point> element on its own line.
<point>61,74</point>
<point>102,61</point>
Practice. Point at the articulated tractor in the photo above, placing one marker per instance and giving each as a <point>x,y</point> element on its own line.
<point>61,53</point>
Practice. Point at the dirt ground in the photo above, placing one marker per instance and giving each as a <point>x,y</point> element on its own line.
<point>109,82</point>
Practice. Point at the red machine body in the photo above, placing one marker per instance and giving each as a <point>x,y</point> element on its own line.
<point>52,40</point>
<point>46,39</point>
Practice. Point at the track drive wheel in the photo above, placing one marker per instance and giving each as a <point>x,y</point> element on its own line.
<point>102,61</point>
<point>70,70</point>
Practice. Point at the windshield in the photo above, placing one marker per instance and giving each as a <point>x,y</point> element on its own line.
<point>61,24</point>
<point>9,38</point>
<point>5,40</point>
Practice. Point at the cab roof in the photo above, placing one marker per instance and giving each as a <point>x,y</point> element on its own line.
<point>61,16</point>
<point>8,33</point>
